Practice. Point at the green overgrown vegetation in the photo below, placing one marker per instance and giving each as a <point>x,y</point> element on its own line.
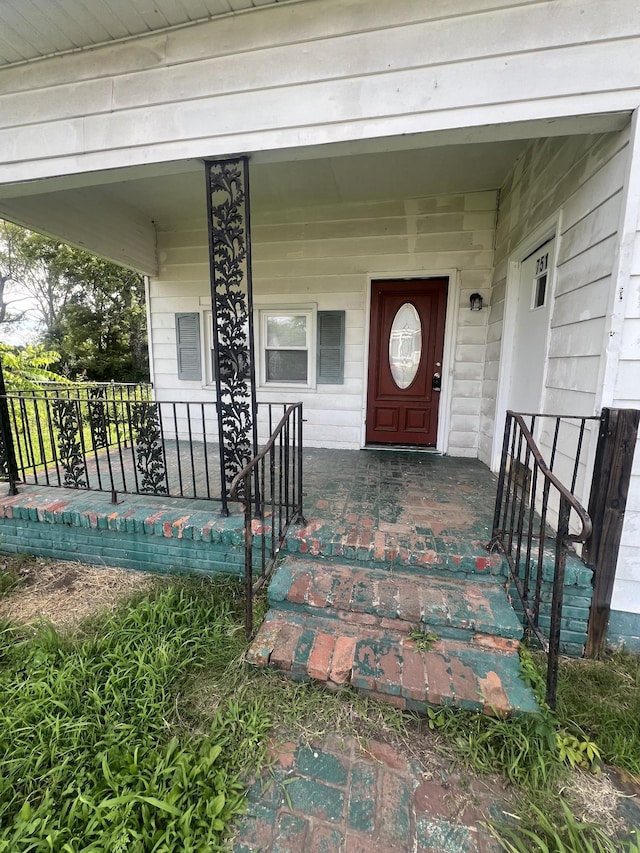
<point>561,833</point>
<point>602,699</point>
<point>95,756</point>
<point>89,311</point>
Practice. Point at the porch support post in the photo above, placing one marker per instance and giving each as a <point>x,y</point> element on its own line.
<point>609,489</point>
<point>232,311</point>
<point>8,464</point>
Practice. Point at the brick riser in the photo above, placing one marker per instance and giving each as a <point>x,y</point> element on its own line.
<point>343,626</point>
<point>389,666</point>
<point>460,556</point>
<point>395,600</point>
<point>464,558</point>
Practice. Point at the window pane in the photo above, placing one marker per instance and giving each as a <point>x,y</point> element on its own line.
<point>405,345</point>
<point>286,366</point>
<point>541,290</point>
<point>287,331</point>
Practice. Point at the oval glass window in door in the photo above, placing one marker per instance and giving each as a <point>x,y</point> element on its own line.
<point>405,345</point>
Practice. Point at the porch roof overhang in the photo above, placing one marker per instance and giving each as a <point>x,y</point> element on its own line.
<point>116,213</point>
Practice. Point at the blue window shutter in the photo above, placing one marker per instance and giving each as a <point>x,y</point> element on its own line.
<point>330,348</point>
<point>188,346</point>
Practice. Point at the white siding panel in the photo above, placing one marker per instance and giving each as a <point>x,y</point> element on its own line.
<point>317,72</point>
<point>581,179</point>
<point>580,338</point>
<point>630,346</point>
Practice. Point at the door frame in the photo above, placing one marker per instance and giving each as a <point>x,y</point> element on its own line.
<point>548,229</point>
<point>448,354</point>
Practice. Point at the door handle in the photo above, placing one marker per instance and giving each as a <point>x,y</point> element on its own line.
<point>436,382</point>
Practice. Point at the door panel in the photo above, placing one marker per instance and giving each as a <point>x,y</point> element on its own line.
<point>405,361</point>
<point>533,315</point>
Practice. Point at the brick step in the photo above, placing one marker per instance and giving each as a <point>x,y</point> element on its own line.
<point>462,556</point>
<point>388,665</point>
<point>455,609</point>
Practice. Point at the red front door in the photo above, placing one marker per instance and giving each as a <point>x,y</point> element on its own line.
<point>405,361</point>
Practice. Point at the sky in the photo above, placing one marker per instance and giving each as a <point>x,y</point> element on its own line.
<point>27,330</point>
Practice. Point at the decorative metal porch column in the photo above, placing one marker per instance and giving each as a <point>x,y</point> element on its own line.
<point>232,312</point>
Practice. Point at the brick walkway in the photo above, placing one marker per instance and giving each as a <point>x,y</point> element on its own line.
<point>336,798</point>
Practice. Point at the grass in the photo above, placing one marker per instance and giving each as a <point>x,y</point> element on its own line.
<point>602,699</point>
<point>559,835</point>
<point>136,733</point>
<point>15,571</point>
<point>94,754</point>
<point>597,719</point>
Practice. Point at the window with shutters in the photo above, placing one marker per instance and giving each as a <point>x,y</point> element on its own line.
<point>188,346</point>
<point>287,347</point>
<point>301,347</point>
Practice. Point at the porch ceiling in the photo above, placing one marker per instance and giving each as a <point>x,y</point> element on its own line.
<point>32,30</point>
<point>115,213</point>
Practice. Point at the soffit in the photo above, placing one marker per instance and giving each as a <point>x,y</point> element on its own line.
<point>33,29</point>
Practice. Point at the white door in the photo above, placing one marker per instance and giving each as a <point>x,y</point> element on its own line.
<point>533,313</point>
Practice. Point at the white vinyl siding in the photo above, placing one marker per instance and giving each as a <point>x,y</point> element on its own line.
<point>626,392</point>
<point>582,179</point>
<point>313,72</point>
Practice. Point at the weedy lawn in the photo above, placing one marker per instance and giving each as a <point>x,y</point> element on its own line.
<point>138,730</point>
<point>93,756</point>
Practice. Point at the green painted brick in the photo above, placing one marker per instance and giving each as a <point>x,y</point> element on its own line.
<point>361,807</point>
<point>624,630</point>
<point>290,834</point>
<point>320,765</point>
<point>316,799</point>
<point>585,577</point>
<point>443,836</point>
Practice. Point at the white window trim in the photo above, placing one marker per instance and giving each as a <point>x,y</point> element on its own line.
<point>207,348</point>
<point>262,313</point>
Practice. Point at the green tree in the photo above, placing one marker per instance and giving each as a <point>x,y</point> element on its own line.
<point>26,367</point>
<point>88,310</point>
<point>11,272</point>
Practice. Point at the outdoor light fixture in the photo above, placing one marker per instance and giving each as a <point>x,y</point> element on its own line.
<point>475,302</point>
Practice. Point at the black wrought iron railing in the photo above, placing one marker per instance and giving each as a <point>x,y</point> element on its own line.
<point>538,519</point>
<point>271,488</point>
<point>113,438</point>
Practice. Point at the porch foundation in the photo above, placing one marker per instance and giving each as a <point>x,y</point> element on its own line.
<point>140,533</point>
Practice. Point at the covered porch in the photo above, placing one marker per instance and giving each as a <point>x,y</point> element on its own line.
<point>379,171</point>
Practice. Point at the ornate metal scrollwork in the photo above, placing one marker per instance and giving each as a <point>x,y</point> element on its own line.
<point>98,417</point>
<point>67,420</point>
<point>8,467</point>
<point>231,299</point>
<point>150,461</point>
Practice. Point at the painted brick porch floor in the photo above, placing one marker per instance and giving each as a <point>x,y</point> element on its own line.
<point>335,797</point>
<point>398,507</point>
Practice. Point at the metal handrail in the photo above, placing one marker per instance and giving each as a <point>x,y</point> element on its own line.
<point>272,499</point>
<point>523,531</point>
<point>573,502</point>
